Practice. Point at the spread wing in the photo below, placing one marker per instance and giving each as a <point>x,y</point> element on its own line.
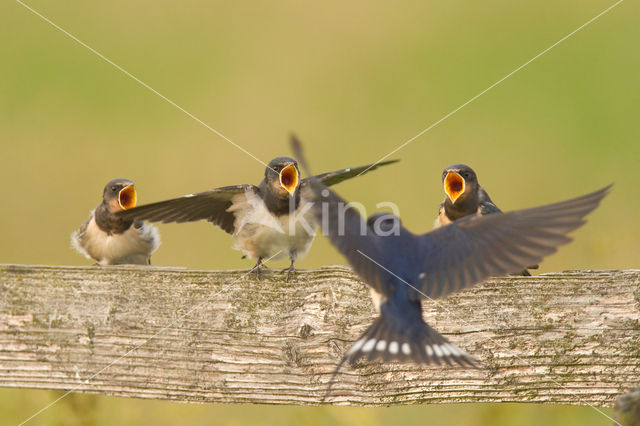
<point>335,177</point>
<point>349,233</point>
<point>210,205</point>
<point>475,248</point>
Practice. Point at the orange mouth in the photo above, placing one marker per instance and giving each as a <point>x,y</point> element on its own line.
<point>289,178</point>
<point>127,197</point>
<point>454,186</point>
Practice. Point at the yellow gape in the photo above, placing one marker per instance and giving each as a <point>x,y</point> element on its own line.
<point>454,186</point>
<point>289,178</point>
<point>127,197</point>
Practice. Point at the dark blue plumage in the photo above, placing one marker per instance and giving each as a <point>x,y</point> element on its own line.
<point>403,268</point>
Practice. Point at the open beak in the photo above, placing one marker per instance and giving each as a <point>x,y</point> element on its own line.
<point>127,197</point>
<point>453,186</point>
<point>289,178</point>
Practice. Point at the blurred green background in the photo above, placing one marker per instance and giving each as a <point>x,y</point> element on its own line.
<point>353,81</point>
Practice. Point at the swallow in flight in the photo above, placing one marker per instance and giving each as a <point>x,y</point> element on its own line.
<point>404,268</point>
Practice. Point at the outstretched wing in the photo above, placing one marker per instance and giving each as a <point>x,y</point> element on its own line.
<point>342,223</point>
<point>488,207</point>
<point>475,248</point>
<point>335,177</point>
<point>348,232</point>
<point>210,205</point>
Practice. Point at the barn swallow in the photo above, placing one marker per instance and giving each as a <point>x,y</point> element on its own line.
<point>268,221</point>
<point>112,240</point>
<point>464,197</point>
<point>404,268</point>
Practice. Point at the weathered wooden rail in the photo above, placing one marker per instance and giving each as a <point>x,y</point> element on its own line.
<point>219,336</point>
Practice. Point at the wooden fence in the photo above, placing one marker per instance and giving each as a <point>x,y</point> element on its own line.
<point>224,336</point>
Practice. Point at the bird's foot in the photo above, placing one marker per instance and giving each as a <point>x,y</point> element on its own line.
<point>258,269</point>
<point>291,271</point>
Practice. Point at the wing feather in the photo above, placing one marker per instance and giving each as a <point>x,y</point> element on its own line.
<point>343,224</point>
<point>337,176</point>
<point>474,248</point>
<point>209,205</point>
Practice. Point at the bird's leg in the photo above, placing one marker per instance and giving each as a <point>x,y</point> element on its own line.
<point>291,269</point>
<point>257,269</point>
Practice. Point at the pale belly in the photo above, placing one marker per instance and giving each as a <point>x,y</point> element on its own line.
<point>259,234</point>
<point>134,246</point>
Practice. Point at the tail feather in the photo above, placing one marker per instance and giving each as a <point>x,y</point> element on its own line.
<point>416,342</point>
<point>421,344</point>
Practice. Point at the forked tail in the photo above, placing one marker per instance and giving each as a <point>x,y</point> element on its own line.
<point>401,335</point>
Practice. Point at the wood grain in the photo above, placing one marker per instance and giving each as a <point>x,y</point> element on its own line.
<point>223,336</point>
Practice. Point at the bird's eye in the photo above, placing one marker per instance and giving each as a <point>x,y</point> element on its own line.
<point>465,175</point>
<point>114,188</point>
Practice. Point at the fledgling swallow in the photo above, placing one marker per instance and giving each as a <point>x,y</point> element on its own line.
<point>404,268</point>
<point>463,197</point>
<point>268,221</point>
<point>113,240</point>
